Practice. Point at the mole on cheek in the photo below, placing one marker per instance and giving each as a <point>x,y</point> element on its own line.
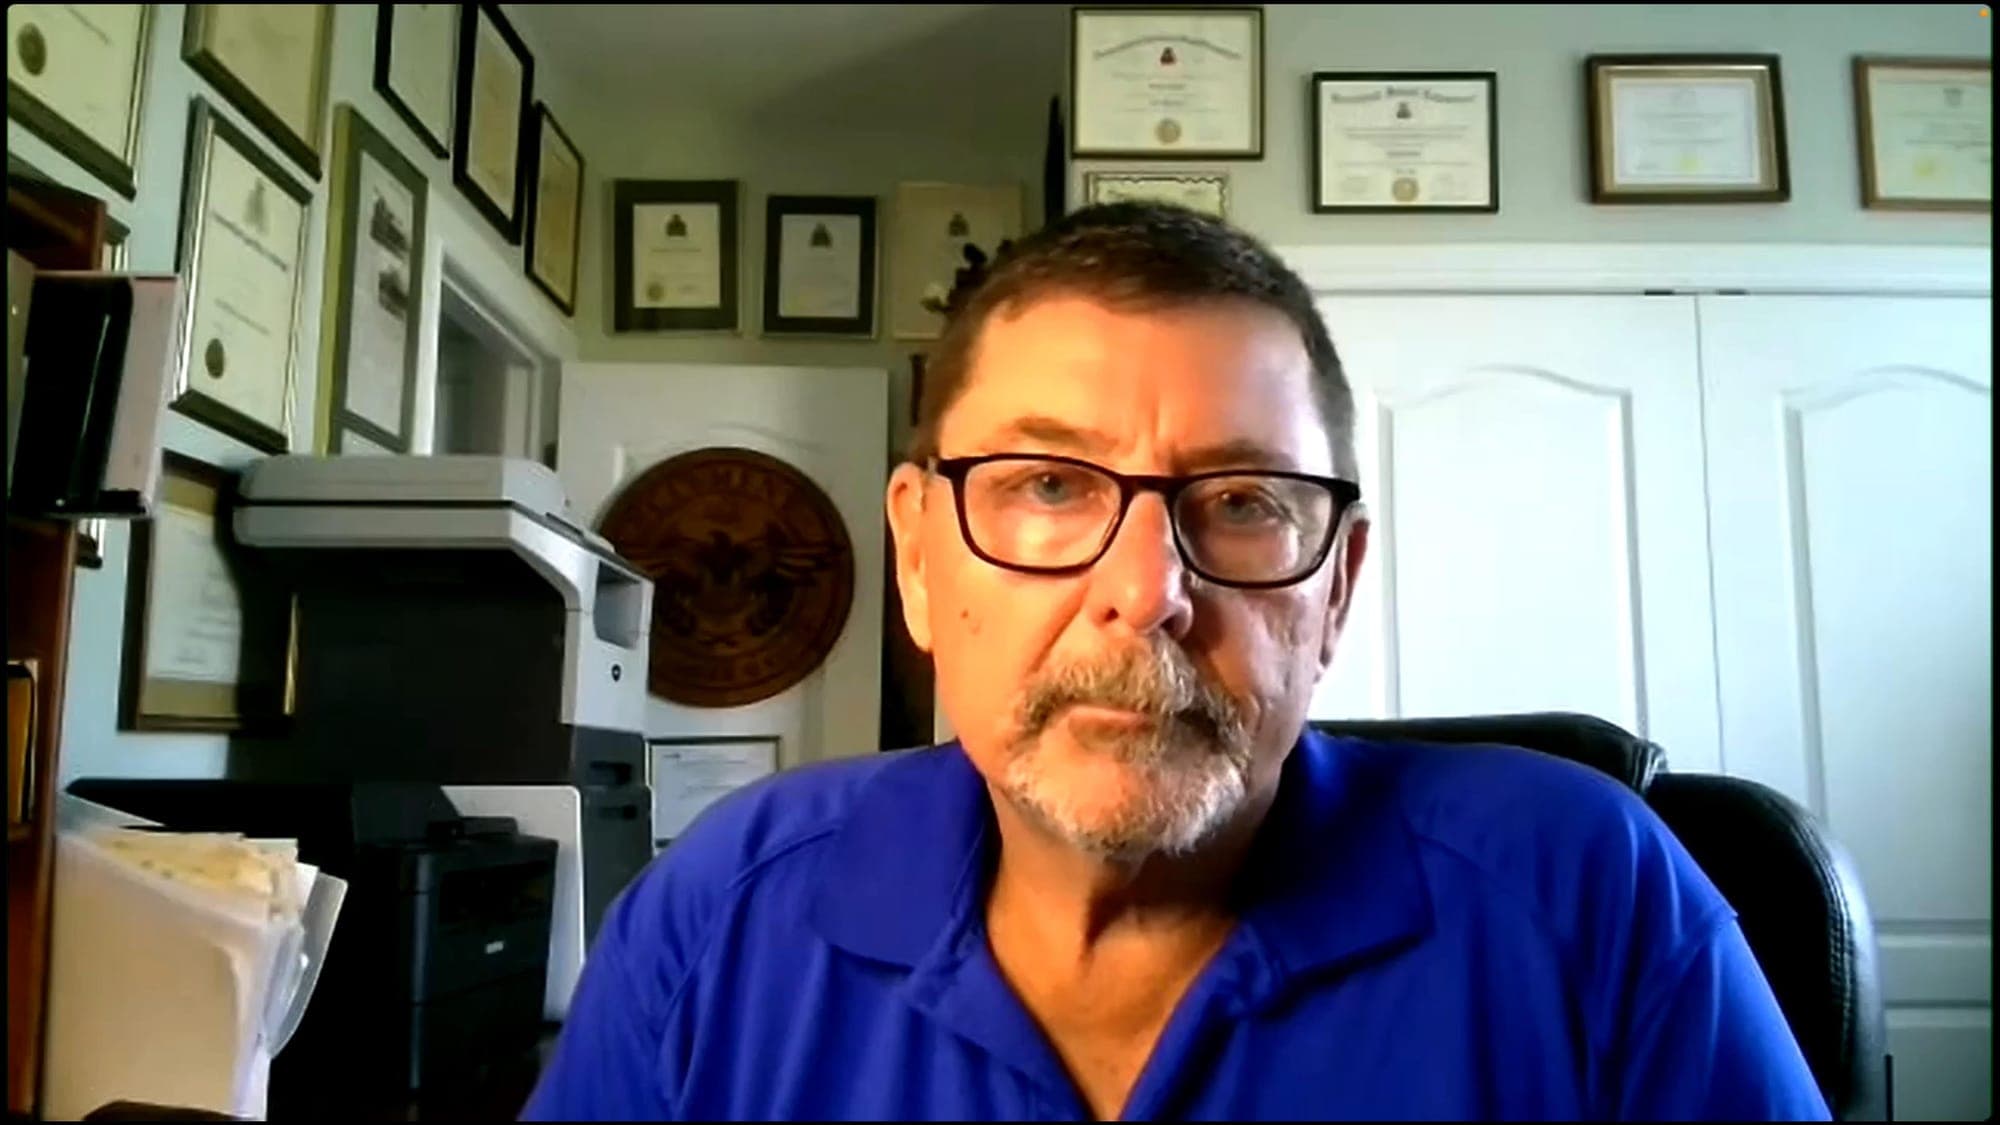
<point>968,622</point>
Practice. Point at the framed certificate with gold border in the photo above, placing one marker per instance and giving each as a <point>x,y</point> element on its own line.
<point>271,62</point>
<point>1926,133</point>
<point>1686,129</point>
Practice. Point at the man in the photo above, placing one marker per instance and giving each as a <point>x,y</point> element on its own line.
<point>1129,534</point>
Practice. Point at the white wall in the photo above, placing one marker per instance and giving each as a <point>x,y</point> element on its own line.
<point>91,741</point>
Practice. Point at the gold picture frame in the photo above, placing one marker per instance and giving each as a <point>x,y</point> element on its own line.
<point>1924,130</point>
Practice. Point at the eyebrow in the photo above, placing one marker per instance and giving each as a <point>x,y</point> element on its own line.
<point>1061,437</point>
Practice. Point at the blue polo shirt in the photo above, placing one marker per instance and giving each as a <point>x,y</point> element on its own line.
<point>1424,932</point>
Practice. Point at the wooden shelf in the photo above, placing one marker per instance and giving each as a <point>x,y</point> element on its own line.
<point>19,833</point>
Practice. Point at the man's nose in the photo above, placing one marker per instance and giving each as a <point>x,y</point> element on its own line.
<point>1141,580</point>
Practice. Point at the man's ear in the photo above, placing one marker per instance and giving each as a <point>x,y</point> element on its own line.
<point>1350,548</point>
<point>905,500</point>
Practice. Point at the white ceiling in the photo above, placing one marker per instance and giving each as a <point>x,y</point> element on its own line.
<point>876,66</point>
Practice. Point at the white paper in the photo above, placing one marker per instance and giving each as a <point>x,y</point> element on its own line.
<point>196,609</point>
<point>1406,143</point>
<point>273,50</point>
<point>1166,82</point>
<point>933,224</point>
<point>558,182</point>
<point>1686,132</point>
<point>689,777</point>
<point>241,343</point>
<point>819,266</point>
<point>1932,133</point>
<point>379,327</point>
<point>80,61</point>
<point>425,43</point>
<point>496,117</point>
<point>676,256</point>
<point>1205,193</point>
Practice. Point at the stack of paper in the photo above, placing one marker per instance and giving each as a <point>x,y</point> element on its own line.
<point>179,963</point>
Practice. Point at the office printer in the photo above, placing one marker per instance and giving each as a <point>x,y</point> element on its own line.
<point>455,626</point>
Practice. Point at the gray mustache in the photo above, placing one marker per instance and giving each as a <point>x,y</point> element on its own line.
<point>1161,683</point>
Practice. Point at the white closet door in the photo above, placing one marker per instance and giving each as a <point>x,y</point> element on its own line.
<point>1534,468</point>
<point>1851,475</point>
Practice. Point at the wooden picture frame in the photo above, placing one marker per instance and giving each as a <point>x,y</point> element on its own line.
<point>372,299</point>
<point>682,234</point>
<point>804,297</point>
<point>1104,122</point>
<point>1447,125</point>
<point>490,121</point>
<point>284,96</point>
<point>107,150</point>
<point>1949,96</point>
<point>555,213</point>
<point>1652,168</point>
<point>210,645</point>
<point>430,32</point>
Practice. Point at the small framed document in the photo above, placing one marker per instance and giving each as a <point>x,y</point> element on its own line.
<point>556,213</point>
<point>1421,141</point>
<point>209,643</point>
<point>242,251</point>
<point>674,255</point>
<point>1207,192</point>
<point>416,62</point>
<point>373,290</point>
<point>270,61</point>
<point>1926,133</point>
<point>76,75</point>
<point>1167,82</point>
<point>930,228</point>
<point>1686,129</point>
<point>496,80</point>
<point>819,265</point>
<point>687,775</point>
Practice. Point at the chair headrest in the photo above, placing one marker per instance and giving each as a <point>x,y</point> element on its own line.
<point>1585,739</point>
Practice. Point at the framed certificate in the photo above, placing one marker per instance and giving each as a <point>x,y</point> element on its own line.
<point>1405,141</point>
<point>209,643</point>
<point>556,214</point>
<point>372,295</point>
<point>496,79</point>
<point>242,251</point>
<point>270,62</point>
<point>1167,82</point>
<point>1206,192</point>
<point>674,255</point>
<point>930,229</point>
<point>819,265</point>
<point>416,60</point>
<point>76,75</point>
<point>687,775</point>
<point>1926,133</point>
<point>1686,129</point>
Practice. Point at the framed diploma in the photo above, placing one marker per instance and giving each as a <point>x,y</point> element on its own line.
<point>1418,141</point>
<point>416,59</point>
<point>1205,192</point>
<point>1926,133</point>
<point>1686,129</point>
<point>556,214</point>
<point>1167,82</point>
<point>242,251</point>
<point>687,775</point>
<point>674,255</point>
<point>209,644</point>
<point>76,75</point>
<point>496,79</point>
<point>819,265</point>
<point>931,227</point>
<point>372,295</point>
<point>269,61</point>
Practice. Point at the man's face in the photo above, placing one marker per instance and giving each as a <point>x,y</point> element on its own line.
<point>1133,707</point>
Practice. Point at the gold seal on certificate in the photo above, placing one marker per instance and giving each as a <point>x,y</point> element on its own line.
<point>75,76</point>
<point>1405,141</point>
<point>1167,81</point>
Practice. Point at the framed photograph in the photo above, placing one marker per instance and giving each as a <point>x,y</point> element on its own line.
<point>1926,133</point>
<point>1167,82</point>
<point>689,774</point>
<point>1207,192</point>
<point>241,255</point>
<point>76,77</point>
<point>270,61</point>
<point>819,265</point>
<point>1405,141</point>
<point>931,227</point>
<point>372,296</point>
<point>496,80</point>
<point>416,62</point>
<point>556,215</point>
<point>674,255</point>
<point>209,643</point>
<point>1686,129</point>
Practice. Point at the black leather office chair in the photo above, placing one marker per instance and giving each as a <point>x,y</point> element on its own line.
<point>1794,889</point>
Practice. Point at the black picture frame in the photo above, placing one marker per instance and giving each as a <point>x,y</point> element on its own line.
<point>118,170</point>
<point>543,116</point>
<point>1255,152</point>
<point>1317,189</point>
<point>303,149</point>
<point>385,31</point>
<point>1598,122</point>
<point>626,196</point>
<point>506,219</point>
<point>776,209</point>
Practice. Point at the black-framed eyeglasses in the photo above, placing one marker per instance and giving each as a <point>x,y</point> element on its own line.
<point>1246,528</point>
